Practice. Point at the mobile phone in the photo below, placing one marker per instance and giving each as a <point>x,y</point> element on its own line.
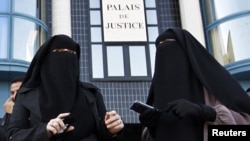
<point>139,106</point>
<point>67,122</point>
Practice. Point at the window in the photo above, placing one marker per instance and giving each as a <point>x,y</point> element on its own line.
<point>4,6</point>
<point>137,59</point>
<point>122,60</point>
<point>4,22</point>
<point>27,7</point>
<point>228,29</point>
<point>97,61</point>
<point>23,28</point>
<point>26,45</point>
<point>230,40</point>
<point>115,61</point>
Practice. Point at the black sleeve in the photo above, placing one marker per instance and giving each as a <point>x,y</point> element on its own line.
<point>5,120</point>
<point>19,128</point>
<point>102,131</point>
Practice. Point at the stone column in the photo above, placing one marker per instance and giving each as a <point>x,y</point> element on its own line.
<point>191,19</point>
<point>61,17</point>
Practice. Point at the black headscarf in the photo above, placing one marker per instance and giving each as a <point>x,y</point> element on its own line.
<point>183,67</point>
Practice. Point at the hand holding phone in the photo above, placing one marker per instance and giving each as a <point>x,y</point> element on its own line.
<point>67,120</point>
<point>140,107</point>
<point>149,115</point>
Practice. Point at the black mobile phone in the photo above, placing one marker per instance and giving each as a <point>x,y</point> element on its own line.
<point>139,107</point>
<point>67,121</point>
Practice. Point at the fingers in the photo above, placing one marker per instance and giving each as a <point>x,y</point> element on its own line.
<point>63,115</point>
<point>57,126</point>
<point>8,105</point>
<point>111,117</point>
<point>8,101</point>
<point>173,107</point>
<point>113,122</point>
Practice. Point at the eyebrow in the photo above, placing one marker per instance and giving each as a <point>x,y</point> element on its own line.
<point>63,50</point>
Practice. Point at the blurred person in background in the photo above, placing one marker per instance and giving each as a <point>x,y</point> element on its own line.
<point>9,104</point>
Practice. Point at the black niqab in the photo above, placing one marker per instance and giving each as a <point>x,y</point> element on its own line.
<point>58,83</point>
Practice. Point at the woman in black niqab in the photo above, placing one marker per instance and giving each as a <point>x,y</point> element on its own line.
<point>184,70</point>
<point>55,71</point>
<point>52,96</point>
<point>185,66</point>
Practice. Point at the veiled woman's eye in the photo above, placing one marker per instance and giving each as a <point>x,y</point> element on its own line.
<point>64,50</point>
<point>166,40</point>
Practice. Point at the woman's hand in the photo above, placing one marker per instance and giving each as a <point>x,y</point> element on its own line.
<point>113,122</point>
<point>57,126</point>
